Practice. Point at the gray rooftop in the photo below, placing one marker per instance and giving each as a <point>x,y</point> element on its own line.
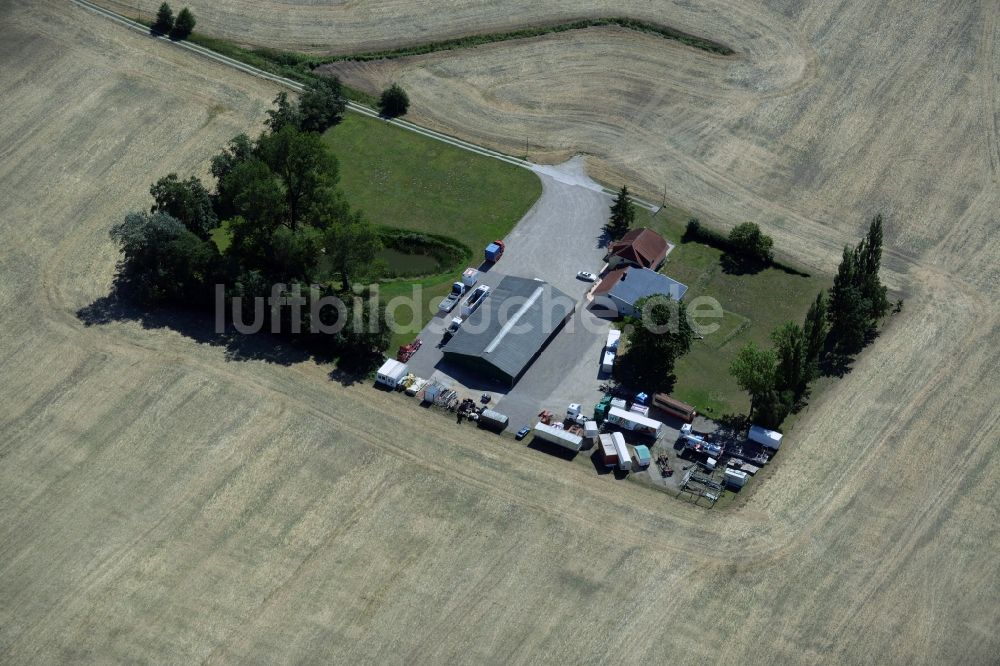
<point>638,283</point>
<point>512,324</point>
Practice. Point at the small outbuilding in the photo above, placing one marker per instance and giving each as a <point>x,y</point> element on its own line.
<point>642,248</point>
<point>391,373</point>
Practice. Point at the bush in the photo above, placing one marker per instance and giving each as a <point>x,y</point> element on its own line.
<point>394,101</point>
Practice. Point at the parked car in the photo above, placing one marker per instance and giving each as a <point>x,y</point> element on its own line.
<point>522,433</point>
<point>586,276</point>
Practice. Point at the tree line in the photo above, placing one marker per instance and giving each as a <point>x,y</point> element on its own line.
<point>836,327</point>
<point>286,222</point>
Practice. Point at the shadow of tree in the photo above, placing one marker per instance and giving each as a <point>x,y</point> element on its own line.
<point>731,428</point>
<point>200,326</point>
<point>734,264</point>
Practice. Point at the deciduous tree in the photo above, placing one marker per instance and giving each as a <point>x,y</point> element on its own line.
<point>322,104</point>
<point>394,101</point>
<point>187,201</point>
<point>162,260</point>
<point>868,261</point>
<point>754,370</point>
<point>303,165</point>
<point>749,241</point>
<point>284,113</point>
<point>350,245</point>
<point>657,337</point>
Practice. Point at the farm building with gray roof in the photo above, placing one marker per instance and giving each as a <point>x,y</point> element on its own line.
<point>507,333</point>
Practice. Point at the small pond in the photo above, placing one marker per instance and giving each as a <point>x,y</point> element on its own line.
<point>406,264</point>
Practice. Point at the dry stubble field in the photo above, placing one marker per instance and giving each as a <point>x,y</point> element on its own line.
<point>160,503</point>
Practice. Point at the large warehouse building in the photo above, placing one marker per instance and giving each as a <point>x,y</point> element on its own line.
<point>507,333</point>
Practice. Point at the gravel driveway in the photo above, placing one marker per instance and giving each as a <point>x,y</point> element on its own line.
<point>561,235</point>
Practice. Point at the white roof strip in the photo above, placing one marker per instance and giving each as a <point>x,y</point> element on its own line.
<point>513,320</point>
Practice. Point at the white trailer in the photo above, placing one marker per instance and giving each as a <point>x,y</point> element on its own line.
<point>391,373</point>
<point>610,350</point>
<point>635,422</point>
<point>558,436</point>
<point>769,438</point>
<point>614,336</point>
<point>624,457</point>
<point>608,362</point>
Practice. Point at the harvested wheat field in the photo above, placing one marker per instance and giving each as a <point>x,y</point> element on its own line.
<point>161,501</point>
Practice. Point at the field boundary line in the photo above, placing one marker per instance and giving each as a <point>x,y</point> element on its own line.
<point>352,106</point>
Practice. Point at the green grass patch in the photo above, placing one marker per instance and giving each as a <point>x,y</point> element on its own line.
<point>403,180</point>
<point>753,305</point>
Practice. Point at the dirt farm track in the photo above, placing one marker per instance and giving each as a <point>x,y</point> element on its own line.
<point>161,501</point>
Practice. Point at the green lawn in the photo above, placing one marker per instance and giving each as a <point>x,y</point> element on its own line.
<point>402,179</point>
<point>753,306</point>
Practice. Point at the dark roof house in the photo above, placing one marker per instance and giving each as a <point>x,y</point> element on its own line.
<point>507,333</point>
<point>642,248</point>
